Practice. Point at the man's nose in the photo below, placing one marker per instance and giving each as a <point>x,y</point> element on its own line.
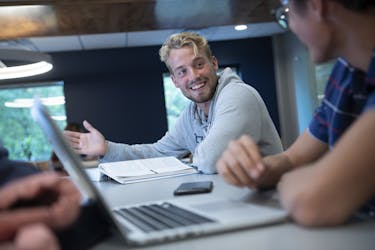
<point>195,73</point>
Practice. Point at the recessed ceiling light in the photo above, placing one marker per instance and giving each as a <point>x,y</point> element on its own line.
<point>240,27</point>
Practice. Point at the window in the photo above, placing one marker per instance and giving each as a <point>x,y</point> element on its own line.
<point>175,101</point>
<point>18,132</point>
<point>322,72</point>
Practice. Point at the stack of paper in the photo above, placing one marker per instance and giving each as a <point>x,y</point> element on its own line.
<point>145,169</point>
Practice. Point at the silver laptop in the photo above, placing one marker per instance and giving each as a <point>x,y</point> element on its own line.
<point>161,221</point>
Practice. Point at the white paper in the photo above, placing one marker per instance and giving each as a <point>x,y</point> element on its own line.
<point>124,171</point>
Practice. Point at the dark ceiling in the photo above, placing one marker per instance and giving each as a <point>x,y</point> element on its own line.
<point>34,18</point>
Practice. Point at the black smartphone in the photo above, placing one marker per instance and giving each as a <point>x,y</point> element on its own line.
<point>194,188</point>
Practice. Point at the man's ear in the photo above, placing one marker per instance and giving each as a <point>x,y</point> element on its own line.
<point>215,62</point>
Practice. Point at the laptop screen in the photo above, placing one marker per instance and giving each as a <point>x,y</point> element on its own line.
<point>70,161</point>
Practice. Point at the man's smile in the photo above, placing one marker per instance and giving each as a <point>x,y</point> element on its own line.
<point>198,85</point>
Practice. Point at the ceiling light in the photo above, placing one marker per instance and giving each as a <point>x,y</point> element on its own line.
<point>240,27</point>
<point>59,117</point>
<point>23,63</point>
<point>28,102</point>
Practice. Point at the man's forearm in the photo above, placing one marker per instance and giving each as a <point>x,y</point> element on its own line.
<point>276,166</point>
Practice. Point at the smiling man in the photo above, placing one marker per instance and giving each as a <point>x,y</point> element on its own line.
<point>222,108</point>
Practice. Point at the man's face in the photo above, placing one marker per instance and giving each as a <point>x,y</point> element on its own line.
<point>194,75</point>
<point>310,27</point>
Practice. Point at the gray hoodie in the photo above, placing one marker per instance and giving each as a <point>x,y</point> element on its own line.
<point>236,109</point>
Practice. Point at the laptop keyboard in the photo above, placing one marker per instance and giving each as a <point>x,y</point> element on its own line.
<point>156,217</point>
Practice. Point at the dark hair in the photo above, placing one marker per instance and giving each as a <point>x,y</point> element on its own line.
<point>359,5</point>
<point>74,126</point>
<point>355,5</point>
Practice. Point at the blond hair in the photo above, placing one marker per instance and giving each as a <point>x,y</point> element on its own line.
<point>177,41</point>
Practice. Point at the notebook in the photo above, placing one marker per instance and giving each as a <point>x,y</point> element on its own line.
<point>132,171</point>
<point>158,222</point>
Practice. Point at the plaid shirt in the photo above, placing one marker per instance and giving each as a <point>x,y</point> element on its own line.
<point>349,93</point>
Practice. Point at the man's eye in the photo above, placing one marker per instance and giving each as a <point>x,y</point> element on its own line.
<point>200,64</point>
<point>181,72</point>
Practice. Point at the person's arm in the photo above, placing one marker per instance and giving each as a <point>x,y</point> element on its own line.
<point>42,198</point>
<point>94,143</point>
<point>328,191</point>
<point>242,164</point>
<point>173,143</point>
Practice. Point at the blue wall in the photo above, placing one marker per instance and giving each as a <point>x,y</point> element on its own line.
<point>120,91</point>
